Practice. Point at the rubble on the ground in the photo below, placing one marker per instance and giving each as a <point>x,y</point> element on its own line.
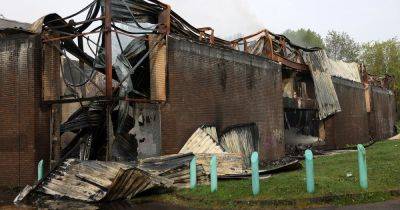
<point>95,181</point>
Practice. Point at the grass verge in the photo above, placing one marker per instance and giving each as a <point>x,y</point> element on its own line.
<point>332,185</point>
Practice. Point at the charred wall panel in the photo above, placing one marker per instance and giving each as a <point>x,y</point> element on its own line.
<point>147,130</point>
<point>350,126</point>
<point>24,123</point>
<point>383,113</point>
<point>208,85</point>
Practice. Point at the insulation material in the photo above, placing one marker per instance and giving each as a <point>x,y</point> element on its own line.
<point>288,87</point>
<point>344,70</point>
<point>326,96</point>
<point>228,163</point>
<point>158,66</point>
<point>203,140</point>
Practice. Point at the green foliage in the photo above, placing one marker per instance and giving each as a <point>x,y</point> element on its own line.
<point>382,58</point>
<point>340,46</point>
<point>305,38</point>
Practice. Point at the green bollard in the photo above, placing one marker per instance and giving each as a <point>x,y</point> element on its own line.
<point>362,166</point>
<point>255,177</point>
<point>309,171</point>
<point>213,173</point>
<point>40,170</point>
<point>193,173</point>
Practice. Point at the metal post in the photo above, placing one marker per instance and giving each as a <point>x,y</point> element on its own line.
<point>362,166</point>
<point>193,173</point>
<point>108,48</point>
<point>40,170</point>
<point>309,171</point>
<point>82,65</point>
<point>213,173</point>
<point>255,177</point>
<point>108,71</point>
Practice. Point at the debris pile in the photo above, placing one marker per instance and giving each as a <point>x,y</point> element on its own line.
<point>95,181</point>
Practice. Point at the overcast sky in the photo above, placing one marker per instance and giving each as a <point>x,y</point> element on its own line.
<point>365,20</point>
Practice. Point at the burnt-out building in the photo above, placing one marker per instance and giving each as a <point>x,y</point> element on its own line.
<point>66,94</point>
<point>221,87</point>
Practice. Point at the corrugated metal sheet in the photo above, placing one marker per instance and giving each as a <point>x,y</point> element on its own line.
<point>203,140</point>
<point>241,139</point>
<point>8,24</point>
<point>327,99</point>
<point>94,181</point>
<point>99,181</point>
<point>344,70</point>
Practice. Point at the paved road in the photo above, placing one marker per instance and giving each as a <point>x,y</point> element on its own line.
<point>387,205</point>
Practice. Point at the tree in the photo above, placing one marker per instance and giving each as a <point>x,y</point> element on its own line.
<point>305,38</point>
<point>381,58</point>
<point>340,46</point>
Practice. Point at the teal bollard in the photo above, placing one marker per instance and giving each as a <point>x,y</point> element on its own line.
<point>193,173</point>
<point>40,169</point>
<point>309,171</point>
<point>213,173</point>
<point>362,166</point>
<point>255,177</point>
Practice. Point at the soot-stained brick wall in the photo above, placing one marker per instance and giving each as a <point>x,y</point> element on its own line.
<point>350,126</point>
<point>223,87</point>
<point>383,114</point>
<point>24,124</point>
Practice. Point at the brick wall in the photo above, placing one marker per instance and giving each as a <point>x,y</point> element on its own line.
<point>383,114</point>
<point>24,123</point>
<point>208,85</point>
<point>350,126</point>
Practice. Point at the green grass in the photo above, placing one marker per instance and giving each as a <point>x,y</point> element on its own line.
<point>383,161</point>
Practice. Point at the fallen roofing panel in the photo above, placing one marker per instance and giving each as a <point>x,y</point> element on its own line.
<point>241,139</point>
<point>327,99</point>
<point>94,181</point>
<point>175,168</point>
<point>203,140</point>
